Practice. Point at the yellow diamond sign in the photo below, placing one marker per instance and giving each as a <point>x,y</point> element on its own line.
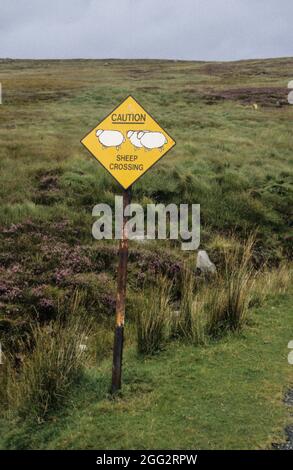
<point>128,142</point>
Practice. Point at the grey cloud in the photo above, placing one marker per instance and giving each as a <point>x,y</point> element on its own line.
<point>185,29</point>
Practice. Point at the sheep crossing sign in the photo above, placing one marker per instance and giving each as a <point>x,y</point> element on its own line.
<point>128,142</point>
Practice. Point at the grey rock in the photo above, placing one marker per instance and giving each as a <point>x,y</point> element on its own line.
<point>203,262</point>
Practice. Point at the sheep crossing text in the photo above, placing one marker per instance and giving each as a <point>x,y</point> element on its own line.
<point>128,142</point>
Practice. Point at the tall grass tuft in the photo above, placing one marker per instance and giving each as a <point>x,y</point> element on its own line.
<point>54,364</point>
<point>228,299</point>
<point>189,323</point>
<point>153,321</point>
<point>5,373</point>
<point>270,282</point>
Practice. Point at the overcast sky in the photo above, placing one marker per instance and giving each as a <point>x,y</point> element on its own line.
<point>178,29</point>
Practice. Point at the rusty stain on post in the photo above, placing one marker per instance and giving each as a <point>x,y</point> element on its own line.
<point>120,301</point>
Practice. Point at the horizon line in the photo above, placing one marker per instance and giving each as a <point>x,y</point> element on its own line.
<point>142,59</point>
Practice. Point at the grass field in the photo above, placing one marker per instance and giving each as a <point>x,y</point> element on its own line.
<point>226,395</point>
<point>232,157</point>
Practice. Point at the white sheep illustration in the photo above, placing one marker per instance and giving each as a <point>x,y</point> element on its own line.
<point>110,138</point>
<point>147,139</point>
<point>132,136</point>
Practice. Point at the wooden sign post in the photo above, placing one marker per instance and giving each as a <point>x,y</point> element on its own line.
<point>120,300</point>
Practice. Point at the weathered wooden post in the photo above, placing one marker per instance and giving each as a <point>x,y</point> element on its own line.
<point>120,300</point>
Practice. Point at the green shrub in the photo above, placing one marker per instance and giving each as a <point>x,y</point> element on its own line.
<point>153,321</point>
<point>228,298</point>
<point>103,341</point>
<point>185,318</point>
<point>189,323</point>
<point>55,362</point>
<point>5,373</point>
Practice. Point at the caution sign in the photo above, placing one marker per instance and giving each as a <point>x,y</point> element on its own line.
<point>128,142</point>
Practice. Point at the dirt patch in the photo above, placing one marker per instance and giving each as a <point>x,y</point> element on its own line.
<point>37,96</point>
<point>221,69</point>
<point>48,182</point>
<point>147,89</point>
<point>260,68</point>
<point>288,445</point>
<point>264,96</point>
<point>48,191</point>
